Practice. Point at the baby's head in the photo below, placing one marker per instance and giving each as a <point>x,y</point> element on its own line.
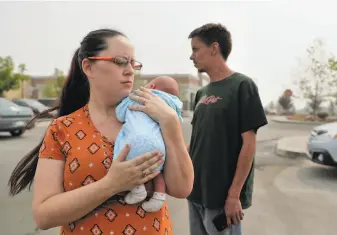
<point>164,83</point>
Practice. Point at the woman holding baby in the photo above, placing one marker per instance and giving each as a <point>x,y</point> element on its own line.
<point>76,183</point>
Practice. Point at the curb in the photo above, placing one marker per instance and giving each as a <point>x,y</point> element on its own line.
<point>289,153</point>
<point>44,120</point>
<point>43,123</point>
<point>299,122</point>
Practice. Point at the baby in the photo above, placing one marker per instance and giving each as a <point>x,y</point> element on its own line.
<point>144,135</point>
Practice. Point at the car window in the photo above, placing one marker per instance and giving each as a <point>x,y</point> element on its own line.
<point>20,102</point>
<point>35,103</point>
<point>7,103</point>
<point>50,102</point>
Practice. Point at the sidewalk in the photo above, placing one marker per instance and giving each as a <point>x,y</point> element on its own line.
<point>292,147</point>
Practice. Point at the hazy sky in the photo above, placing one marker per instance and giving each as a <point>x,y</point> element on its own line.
<point>268,36</point>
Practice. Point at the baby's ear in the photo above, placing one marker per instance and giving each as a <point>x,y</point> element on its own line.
<point>153,86</point>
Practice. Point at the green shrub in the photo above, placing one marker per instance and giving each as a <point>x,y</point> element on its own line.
<point>322,115</point>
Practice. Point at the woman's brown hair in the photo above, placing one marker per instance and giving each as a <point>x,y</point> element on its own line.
<point>74,95</point>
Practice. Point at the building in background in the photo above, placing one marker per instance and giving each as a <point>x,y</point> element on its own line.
<point>189,85</point>
<point>33,88</point>
<point>20,92</point>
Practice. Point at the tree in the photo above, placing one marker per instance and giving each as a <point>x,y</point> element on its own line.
<point>333,64</point>
<point>22,69</point>
<point>54,88</point>
<point>8,78</point>
<point>271,106</point>
<point>286,103</point>
<point>316,78</point>
<point>314,102</point>
<point>331,108</point>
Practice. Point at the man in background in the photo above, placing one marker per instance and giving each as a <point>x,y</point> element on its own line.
<point>227,114</point>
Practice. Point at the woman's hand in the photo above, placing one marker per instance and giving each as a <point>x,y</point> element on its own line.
<point>152,105</point>
<point>124,175</point>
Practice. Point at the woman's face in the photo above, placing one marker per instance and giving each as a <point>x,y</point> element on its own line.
<point>113,81</point>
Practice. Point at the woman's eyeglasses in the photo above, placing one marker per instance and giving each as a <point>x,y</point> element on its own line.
<point>119,60</point>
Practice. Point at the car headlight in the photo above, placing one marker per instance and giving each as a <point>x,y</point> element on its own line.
<point>322,132</point>
<point>318,132</point>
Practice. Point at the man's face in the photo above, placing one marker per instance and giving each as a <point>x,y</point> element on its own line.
<point>201,54</point>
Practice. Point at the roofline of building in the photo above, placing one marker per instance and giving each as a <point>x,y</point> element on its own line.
<point>42,77</point>
<point>177,75</point>
<point>153,75</point>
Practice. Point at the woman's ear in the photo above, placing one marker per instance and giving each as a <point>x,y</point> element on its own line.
<point>86,68</point>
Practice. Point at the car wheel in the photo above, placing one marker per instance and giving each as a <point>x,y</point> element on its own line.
<point>16,132</point>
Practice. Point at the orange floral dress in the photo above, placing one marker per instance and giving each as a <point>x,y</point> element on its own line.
<point>87,156</point>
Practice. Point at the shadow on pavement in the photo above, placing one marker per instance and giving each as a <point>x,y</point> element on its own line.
<point>320,177</point>
<point>7,137</point>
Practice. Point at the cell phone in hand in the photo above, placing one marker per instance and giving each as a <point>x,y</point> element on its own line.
<point>220,221</point>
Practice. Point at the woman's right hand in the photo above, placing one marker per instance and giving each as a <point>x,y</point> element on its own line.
<point>153,105</point>
<point>124,175</point>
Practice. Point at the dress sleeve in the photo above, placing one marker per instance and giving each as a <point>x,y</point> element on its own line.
<point>51,147</point>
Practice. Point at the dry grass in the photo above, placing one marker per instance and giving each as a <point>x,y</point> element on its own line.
<point>304,117</point>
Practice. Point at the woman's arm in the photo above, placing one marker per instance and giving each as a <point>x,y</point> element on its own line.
<point>53,207</point>
<point>178,170</point>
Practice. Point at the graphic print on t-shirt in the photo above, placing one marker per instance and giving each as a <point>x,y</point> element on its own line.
<point>208,99</point>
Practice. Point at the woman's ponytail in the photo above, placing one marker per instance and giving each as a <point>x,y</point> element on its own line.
<point>75,94</point>
<point>76,91</point>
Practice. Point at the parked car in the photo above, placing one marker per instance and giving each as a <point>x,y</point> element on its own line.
<point>50,102</point>
<point>14,118</point>
<point>322,144</point>
<point>36,106</point>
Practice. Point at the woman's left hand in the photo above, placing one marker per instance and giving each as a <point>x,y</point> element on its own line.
<point>152,105</point>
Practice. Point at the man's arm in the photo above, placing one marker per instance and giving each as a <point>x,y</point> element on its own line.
<point>244,163</point>
<point>251,117</point>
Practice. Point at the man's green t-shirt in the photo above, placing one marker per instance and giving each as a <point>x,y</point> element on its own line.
<point>223,111</point>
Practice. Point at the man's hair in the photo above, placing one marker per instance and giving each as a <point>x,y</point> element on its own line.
<point>210,33</point>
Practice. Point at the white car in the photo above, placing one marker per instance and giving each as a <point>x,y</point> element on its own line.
<point>322,144</point>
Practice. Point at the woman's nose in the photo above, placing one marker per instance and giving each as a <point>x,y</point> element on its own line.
<point>129,70</point>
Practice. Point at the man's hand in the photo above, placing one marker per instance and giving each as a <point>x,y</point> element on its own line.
<point>233,210</point>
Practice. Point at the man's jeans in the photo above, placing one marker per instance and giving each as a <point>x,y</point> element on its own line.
<point>201,221</point>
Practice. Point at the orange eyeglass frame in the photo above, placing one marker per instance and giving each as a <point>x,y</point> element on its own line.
<point>109,58</point>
